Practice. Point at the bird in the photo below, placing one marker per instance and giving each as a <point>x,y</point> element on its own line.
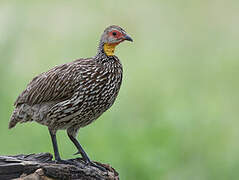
<point>73,95</point>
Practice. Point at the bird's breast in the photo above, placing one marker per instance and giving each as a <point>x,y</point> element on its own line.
<point>101,90</point>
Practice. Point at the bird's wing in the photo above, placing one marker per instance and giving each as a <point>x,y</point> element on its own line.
<point>56,84</point>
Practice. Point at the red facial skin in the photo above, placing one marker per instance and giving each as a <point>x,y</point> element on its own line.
<point>118,35</point>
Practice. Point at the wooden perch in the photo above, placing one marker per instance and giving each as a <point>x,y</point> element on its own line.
<point>41,167</point>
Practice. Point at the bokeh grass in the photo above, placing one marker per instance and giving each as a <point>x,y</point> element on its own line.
<point>176,116</point>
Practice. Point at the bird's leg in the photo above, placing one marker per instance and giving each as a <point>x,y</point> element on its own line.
<point>83,153</point>
<point>79,148</point>
<point>56,152</point>
<point>55,147</point>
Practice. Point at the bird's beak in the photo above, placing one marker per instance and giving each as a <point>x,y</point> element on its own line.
<point>128,38</point>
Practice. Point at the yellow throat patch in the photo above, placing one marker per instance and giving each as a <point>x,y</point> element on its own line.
<point>110,48</point>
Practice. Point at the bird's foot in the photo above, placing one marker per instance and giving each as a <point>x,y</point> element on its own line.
<point>90,163</point>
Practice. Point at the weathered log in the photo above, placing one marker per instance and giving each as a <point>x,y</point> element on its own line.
<point>41,167</point>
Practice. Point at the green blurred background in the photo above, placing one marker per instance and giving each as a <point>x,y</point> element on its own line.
<point>176,116</point>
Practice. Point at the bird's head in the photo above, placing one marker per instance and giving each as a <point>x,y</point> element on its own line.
<point>111,37</point>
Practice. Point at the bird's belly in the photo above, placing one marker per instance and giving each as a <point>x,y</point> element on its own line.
<point>84,111</point>
<point>90,110</point>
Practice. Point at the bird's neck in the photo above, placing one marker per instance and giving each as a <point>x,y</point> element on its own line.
<point>102,58</point>
<point>109,49</point>
<point>106,49</point>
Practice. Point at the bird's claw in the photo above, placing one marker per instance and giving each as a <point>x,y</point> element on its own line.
<point>90,163</point>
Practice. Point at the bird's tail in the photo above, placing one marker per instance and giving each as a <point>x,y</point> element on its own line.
<point>21,114</point>
<point>14,119</point>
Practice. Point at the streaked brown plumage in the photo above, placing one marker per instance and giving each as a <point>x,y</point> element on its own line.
<point>72,95</point>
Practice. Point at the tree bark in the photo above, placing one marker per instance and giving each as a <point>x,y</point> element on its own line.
<point>41,167</point>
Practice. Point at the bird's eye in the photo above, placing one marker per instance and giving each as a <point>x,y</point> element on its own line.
<point>114,33</point>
